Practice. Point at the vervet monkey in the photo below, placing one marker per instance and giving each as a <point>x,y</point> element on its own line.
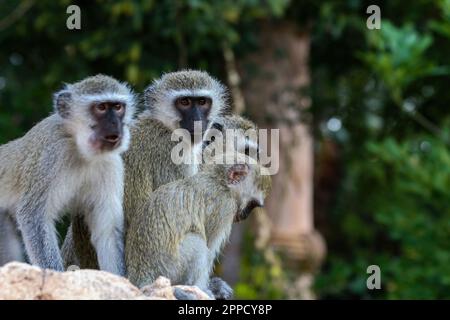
<point>243,139</point>
<point>70,161</point>
<point>217,286</point>
<point>181,229</point>
<point>175,101</point>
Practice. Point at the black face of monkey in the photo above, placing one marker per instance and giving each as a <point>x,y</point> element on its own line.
<point>237,175</point>
<point>109,128</point>
<point>193,109</point>
<point>247,210</point>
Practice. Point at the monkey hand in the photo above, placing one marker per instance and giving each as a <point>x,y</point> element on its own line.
<point>220,289</point>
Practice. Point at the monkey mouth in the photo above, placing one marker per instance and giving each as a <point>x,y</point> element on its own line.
<point>244,213</point>
<point>107,143</point>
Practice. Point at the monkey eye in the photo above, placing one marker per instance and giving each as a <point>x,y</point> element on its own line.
<point>184,102</point>
<point>101,107</point>
<point>118,107</point>
<point>204,103</point>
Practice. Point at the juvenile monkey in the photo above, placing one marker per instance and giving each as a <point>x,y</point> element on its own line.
<point>181,229</point>
<point>175,101</point>
<point>70,161</point>
<point>231,133</point>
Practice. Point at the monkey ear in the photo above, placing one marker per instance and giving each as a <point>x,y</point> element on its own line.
<point>237,173</point>
<point>62,101</point>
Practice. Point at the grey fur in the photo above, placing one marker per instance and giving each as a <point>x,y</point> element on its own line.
<point>46,171</point>
<point>179,232</point>
<point>147,162</point>
<point>11,248</point>
<point>220,289</point>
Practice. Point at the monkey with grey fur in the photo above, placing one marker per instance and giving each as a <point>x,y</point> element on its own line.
<point>181,229</point>
<point>217,286</point>
<point>148,163</point>
<point>175,101</point>
<point>69,161</point>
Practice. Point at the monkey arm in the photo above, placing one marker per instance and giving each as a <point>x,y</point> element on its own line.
<point>10,240</point>
<point>39,235</point>
<point>36,208</point>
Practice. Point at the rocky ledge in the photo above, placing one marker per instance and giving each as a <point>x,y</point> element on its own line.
<point>20,281</point>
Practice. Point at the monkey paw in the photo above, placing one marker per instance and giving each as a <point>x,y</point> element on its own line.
<point>181,294</point>
<point>220,289</point>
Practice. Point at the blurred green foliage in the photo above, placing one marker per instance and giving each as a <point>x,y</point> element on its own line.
<point>260,276</point>
<point>401,223</point>
<point>399,57</point>
<point>388,88</point>
<point>133,40</point>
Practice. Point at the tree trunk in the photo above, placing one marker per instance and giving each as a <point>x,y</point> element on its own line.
<point>274,80</point>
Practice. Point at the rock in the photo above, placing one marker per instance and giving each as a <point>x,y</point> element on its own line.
<point>160,288</point>
<point>19,281</point>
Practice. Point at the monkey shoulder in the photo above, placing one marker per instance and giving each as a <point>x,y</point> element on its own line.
<point>161,217</point>
<point>150,147</point>
<point>147,137</point>
<point>41,147</point>
<point>39,135</point>
<point>149,134</point>
<point>215,193</point>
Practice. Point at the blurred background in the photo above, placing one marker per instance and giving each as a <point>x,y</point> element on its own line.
<point>364,117</point>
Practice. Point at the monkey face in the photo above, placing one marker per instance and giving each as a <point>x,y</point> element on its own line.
<point>108,127</point>
<point>192,109</point>
<point>245,212</point>
<point>244,180</point>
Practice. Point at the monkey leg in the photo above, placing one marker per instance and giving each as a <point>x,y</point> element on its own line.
<point>195,262</point>
<point>39,236</point>
<point>107,237</point>
<point>11,248</point>
<point>220,289</point>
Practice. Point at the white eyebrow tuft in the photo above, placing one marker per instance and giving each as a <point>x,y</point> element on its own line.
<point>173,94</point>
